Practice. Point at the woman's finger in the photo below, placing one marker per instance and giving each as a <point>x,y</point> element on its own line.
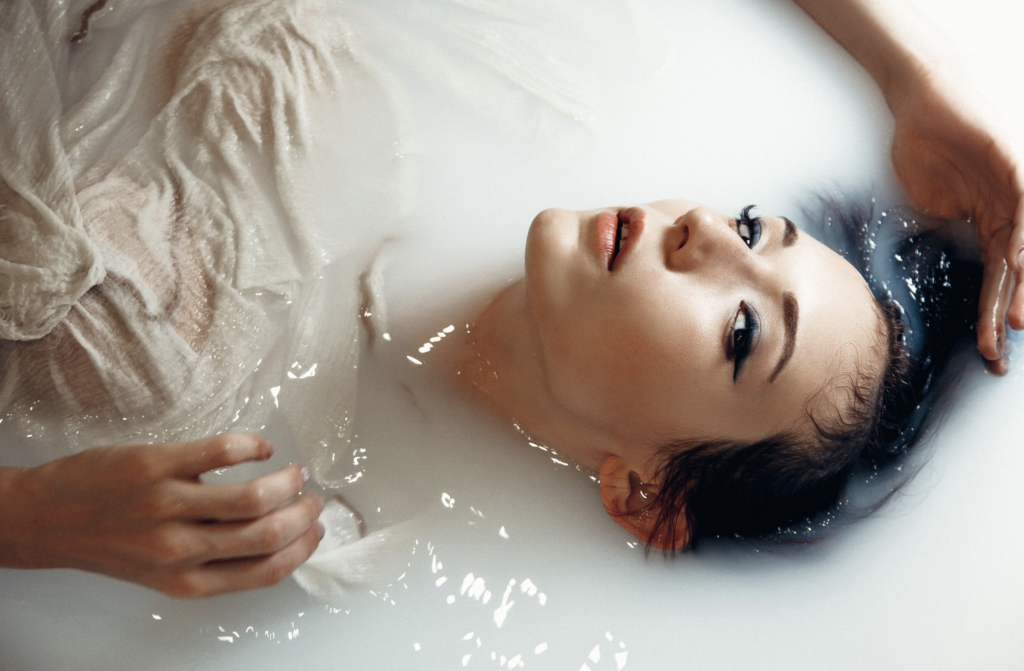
<point>1015,312</point>
<point>241,574</point>
<point>1015,258</point>
<point>1001,365</point>
<point>992,305</point>
<point>228,449</point>
<point>998,366</point>
<point>1015,247</point>
<point>267,535</point>
<point>243,501</point>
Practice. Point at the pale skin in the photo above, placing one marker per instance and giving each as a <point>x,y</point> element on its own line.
<point>607,365</point>
<point>139,513</point>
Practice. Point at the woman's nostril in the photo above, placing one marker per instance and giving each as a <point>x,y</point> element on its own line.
<point>684,236</point>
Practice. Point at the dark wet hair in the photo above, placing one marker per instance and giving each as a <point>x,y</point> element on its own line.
<point>766,488</point>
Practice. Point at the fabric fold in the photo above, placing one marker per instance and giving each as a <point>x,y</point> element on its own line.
<point>47,261</point>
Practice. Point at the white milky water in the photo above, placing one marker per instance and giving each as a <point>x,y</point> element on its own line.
<point>500,556</point>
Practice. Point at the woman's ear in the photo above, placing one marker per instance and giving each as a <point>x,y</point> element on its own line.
<point>629,502</point>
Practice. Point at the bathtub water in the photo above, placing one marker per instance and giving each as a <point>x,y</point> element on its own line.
<point>511,561</point>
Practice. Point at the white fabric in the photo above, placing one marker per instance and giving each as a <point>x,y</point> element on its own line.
<point>47,260</point>
<point>346,559</point>
<point>156,234</point>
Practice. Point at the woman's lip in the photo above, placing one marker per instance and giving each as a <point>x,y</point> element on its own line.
<point>606,230</point>
<point>634,216</point>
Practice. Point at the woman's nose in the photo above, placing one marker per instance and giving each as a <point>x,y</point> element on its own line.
<point>704,236</point>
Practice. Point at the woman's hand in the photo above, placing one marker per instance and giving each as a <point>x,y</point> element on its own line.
<point>956,161</point>
<point>140,513</point>
<point>954,158</point>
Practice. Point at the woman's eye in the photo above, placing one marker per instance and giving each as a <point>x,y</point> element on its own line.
<point>744,331</point>
<point>748,227</point>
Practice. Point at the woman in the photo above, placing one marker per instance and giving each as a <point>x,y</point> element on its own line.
<point>697,328</point>
<point>950,158</point>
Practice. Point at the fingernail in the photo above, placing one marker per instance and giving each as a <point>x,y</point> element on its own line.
<point>320,530</point>
<point>270,450</point>
<point>305,474</point>
<point>1020,259</point>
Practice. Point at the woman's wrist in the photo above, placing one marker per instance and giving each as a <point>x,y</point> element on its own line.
<point>891,39</point>
<point>12,552</point>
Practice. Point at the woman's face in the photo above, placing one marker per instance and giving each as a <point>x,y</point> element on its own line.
<point>699,325</point>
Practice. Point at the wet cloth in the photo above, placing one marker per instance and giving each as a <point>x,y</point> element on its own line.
<point>158,228</point>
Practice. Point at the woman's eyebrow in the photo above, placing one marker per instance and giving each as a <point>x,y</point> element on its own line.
<point>790,317</point>
<point>789,237</point>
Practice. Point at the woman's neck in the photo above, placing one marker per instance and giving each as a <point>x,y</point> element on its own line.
<point>501,363</point>
<point>498,360</point>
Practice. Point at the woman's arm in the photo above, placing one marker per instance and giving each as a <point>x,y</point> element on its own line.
<point>140,513</point>
<point>891,39</point>
<point>953,155</point>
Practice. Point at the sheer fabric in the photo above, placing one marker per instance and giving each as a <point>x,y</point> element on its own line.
<point>158,235</point>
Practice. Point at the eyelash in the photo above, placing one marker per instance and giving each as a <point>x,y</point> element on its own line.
<point>752,225</point>
<point>741,339</point>
<point>745,328</point>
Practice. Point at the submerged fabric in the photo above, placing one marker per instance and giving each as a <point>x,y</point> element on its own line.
<point>156,233</point>
<point>346,559</point>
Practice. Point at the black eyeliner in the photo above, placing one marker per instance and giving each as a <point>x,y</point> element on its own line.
<point>741,348</point>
